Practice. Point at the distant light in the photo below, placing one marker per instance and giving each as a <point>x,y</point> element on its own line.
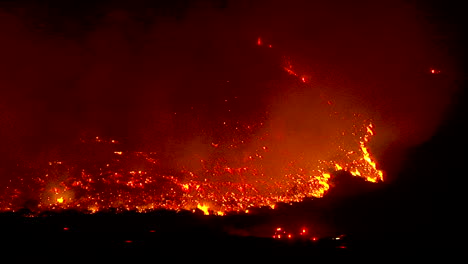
<point>66,229</point>
<point>269,46</point>
<point>128,241</point>
<point>289,236</point>
<point>278,229</point>
<point>314,239</point>
<point>60,200</point>
<point>152,231</point>
<point>259,41</point>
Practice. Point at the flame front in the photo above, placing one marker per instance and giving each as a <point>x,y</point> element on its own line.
<point>224,188</point>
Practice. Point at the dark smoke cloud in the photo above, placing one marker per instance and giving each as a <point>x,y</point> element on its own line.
<point>122,69</point>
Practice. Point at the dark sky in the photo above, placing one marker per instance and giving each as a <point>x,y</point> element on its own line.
<point>121,69</point>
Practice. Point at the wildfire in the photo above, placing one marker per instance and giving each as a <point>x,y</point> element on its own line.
<point>242,172</point>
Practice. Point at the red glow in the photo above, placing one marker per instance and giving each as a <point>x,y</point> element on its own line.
<point>259,41</point>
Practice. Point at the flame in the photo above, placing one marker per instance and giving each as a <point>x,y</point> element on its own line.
<point>366,155</point>
<point>204,208</point>
<point>338,167</point>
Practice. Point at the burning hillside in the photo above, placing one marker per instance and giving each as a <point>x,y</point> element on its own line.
<point>233,167</point>
<point>217,108</point>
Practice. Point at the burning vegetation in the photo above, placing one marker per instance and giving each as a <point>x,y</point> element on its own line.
<point>238,166</point>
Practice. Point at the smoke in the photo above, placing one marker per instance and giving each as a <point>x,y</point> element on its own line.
<point>161,76</point>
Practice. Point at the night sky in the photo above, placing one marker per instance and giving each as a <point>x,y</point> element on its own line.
<point>158,75</point>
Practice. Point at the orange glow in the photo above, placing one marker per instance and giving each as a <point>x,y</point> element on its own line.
<point>60,200</point>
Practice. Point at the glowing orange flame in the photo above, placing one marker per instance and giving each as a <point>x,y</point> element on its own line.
<point>204,208</point>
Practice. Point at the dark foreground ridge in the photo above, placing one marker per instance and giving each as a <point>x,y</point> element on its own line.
<point>167,232</point>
